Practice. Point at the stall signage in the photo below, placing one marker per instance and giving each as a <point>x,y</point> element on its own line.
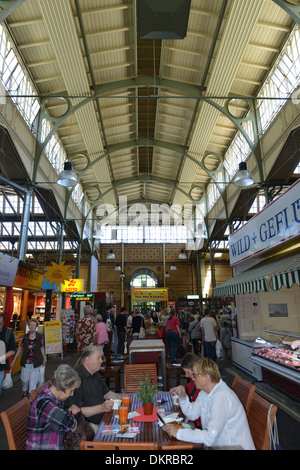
<point>73,285</point>
<point>8,269</point>
<point>28,277</point>
<point>275,224</point>
<point>53,337</point>
<point>148,295</point>
<point>82,296</point>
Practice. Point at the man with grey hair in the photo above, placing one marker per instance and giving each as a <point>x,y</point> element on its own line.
<point>85,330</point>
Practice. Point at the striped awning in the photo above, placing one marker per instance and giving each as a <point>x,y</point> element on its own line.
<point>266,276</point>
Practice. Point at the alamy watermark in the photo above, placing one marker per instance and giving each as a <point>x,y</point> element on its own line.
<point>139,214</point>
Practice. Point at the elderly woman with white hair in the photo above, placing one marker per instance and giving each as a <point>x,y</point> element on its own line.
<point>224,421</point>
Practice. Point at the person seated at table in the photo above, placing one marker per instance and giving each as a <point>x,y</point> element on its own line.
<point>48,421</point>
<point>224,421</point>
<point>187,363</point>
<point>93,396</point>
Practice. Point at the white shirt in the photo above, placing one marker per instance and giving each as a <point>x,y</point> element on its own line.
<point>208,323</point>
<point>224,421</point>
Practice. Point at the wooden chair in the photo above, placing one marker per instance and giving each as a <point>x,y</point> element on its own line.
<point>261,416</point>
<point>134,374</point>
<point>170,446</point>
<point>244,390</point>
<point>34,393</point>
<point>114,372</point>
<point>177,371</point>
<point>15,424</point>
<point>91,445</point>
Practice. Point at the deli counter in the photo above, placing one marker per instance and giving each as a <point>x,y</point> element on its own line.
<point>279,360</point>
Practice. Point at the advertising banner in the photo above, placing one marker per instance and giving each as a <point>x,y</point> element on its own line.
<point>278,222</point>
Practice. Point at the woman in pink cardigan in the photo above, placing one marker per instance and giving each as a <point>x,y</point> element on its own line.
<point>102,331</point>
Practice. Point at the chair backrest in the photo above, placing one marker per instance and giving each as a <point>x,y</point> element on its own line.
<point>261,417</point>
<point>15,424</point>
<point>92,445</point>
<point>244,390</point>
<point>134,374</point>
<point>34,393</point>
<point>177,446</point>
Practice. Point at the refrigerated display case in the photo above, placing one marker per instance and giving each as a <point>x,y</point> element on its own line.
<point>279,359</point>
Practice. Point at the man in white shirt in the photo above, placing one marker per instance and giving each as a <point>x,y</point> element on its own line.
<point>209,332</point>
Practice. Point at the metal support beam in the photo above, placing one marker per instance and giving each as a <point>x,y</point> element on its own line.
<point>7,7</point>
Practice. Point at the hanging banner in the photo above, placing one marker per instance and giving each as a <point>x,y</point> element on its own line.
<point>277,223</point>
<point>149,295</point>
<point>8,269</point>
<point>53,337</point>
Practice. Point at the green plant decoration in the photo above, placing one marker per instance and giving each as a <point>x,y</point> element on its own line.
<point>147,391</point>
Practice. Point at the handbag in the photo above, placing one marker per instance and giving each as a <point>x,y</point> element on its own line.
<point>142,333</point>
<point>7,383</point>
<point>83,432</point>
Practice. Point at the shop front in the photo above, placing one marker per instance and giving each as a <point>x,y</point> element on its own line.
<point>265,256</point>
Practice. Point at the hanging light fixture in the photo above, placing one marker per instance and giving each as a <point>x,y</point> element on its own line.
<point>67,177</point>
<point>243,176</point>
<point>122,276</point>
<point>111,255</point>
<point>173,267</point>
<point>167,274</point>
<point>182,255</point>
<point>118,267</point>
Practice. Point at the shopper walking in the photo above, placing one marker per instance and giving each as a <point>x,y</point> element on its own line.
<point>102,332</point>
<point>85,330</point>
<point>121,324</point>
<point>33,357</point>
<point>225,338</point>
<point>209,332</point>
<point>195,333</point>
<point>7,348</point>
<point>173,334</point>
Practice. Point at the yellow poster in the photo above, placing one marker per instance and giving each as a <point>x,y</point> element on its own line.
<point>53,337</point>
<point>149,295</point>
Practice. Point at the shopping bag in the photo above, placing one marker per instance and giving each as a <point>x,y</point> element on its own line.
<point>125,347</point>
<point>142,333</point>
<point>219,349</point>
<point>41,379</point>
<point>8,383</point>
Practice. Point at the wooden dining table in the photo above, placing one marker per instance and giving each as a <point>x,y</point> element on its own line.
<point>148,431</point>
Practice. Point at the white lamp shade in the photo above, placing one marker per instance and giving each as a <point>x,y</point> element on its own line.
<point>118,267</point>
<point>243,177</point>
<point>67,177</point>
<point>111,255</point>
<point>173,267</point>
<point>182,255</point>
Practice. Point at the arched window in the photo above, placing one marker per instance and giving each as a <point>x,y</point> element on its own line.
<point>144,278</point>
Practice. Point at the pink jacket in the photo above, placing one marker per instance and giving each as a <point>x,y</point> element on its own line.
<point>102,331</point>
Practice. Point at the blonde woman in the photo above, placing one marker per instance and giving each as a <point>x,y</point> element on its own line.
<point>224,421</point>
